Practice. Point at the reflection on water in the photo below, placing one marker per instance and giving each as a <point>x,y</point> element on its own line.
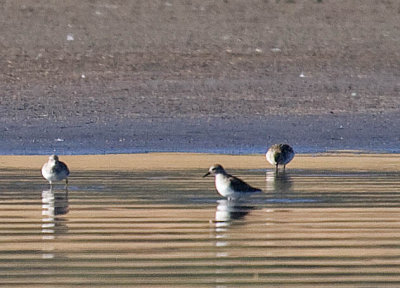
<point>54,205</point>
<point>227,213</point>
<point>279,183</point>
<point>229,210</point>
<point>168,229</point>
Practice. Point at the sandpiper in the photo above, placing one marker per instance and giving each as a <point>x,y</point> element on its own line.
<point>230,186</point>
<point>55,170</point>
<point>280,154</point>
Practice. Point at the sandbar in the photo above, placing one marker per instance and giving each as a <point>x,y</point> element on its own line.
<point>179,161</point>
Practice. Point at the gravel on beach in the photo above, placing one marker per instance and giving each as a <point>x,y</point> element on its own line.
<point>228,76</point>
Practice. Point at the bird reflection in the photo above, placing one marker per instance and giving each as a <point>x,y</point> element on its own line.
<point>54,205</point>
<point>226,214</point>
<point>279,183</point>
<point>228,210</point>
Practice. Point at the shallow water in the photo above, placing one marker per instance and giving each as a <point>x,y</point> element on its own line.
<point>170,228</point>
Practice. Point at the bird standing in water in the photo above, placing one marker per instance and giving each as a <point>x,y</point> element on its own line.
<point>280,154</point>
<point>55,170</point>
<point>230,186</point>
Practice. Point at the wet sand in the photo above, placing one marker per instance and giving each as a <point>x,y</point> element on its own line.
<point>230,135</point>
<point>350,161</point>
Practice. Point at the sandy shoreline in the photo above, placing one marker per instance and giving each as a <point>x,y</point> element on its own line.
<point>179,161</point>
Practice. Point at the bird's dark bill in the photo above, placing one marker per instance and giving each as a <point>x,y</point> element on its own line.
<point>205,175</point>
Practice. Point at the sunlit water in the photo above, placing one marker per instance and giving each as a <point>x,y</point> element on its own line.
<point>170,228</point>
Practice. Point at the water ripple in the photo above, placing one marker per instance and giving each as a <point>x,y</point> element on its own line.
<point>154,229</point>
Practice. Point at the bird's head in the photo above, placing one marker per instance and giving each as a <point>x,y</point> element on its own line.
<point>214,170</point>
<point>53,158</point>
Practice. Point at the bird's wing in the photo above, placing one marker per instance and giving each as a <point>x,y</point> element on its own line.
<point>61,167</point>
<point>240,185</point>
<point>286,148</point>
<point>277,156</point>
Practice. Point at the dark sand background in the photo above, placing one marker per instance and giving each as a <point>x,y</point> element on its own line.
<point>198,76</point>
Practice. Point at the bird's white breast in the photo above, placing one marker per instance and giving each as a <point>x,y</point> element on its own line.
<point>222,185</point>
<point>270,157</point>
<point>50,175</point>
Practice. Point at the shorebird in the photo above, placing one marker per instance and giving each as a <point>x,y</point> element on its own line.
<point>280,154</point>
<point>55,170</point>
<point>230,186</point>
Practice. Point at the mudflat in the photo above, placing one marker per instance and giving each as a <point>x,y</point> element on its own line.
<point>200,76</point>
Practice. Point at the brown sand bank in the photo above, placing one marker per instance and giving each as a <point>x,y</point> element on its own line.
<point>178,161</point>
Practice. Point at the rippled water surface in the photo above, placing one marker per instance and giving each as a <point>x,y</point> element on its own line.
<point>170,228</point>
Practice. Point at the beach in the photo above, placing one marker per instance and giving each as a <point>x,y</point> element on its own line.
<point>140,98</point>
<point>174,76</point>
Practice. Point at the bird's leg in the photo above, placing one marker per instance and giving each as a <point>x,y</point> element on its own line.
<point>276,168</point>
